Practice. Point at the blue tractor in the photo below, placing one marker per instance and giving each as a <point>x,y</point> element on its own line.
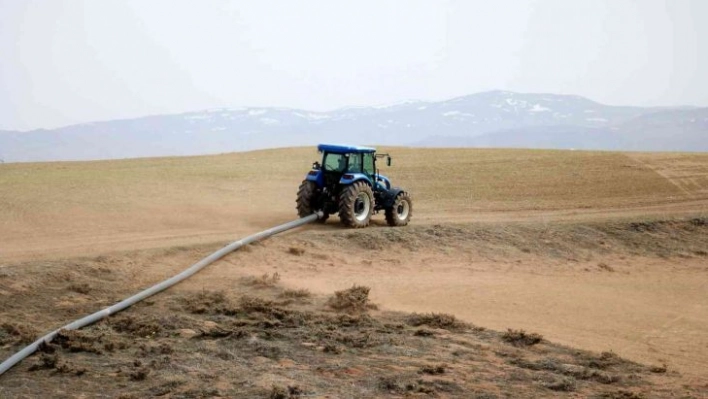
<point>347,182</point>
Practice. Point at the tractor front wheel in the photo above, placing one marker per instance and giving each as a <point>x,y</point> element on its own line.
<point>307,199</point>
<point>401,211</point>
<point>356,205</point>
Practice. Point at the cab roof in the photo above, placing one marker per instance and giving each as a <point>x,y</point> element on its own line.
<point>344,148</point>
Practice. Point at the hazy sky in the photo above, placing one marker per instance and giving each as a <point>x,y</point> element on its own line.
<point>71,61</point>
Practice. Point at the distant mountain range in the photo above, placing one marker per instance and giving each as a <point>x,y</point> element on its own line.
<point>488,119</point>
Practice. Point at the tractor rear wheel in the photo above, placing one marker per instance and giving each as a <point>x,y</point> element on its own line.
<point>306,200</point>
<point>356,205</point>
<point>401,211</point>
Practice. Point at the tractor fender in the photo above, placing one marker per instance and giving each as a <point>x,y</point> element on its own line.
<point>316,176</point>
<point>388,197</point>
<point>350,178</point>
<point>383,183</point>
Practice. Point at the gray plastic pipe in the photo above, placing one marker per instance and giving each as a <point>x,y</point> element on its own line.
<point>101,314</point>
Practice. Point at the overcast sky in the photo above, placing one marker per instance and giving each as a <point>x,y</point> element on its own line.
<point>71,61</point>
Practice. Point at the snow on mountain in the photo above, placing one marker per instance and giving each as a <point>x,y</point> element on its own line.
<point>494,118</point>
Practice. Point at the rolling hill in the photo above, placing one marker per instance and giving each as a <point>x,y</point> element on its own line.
<point>524,274</point>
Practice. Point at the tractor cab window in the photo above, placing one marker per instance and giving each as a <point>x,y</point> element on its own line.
<point>354,163</point>
<point>335,162</point>
<point>369,164</point>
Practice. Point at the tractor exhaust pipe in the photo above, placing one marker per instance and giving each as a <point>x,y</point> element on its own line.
<point>101,314</point>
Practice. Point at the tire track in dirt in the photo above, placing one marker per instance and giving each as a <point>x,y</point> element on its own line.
<point>674,181</point>
<point>688,173</point>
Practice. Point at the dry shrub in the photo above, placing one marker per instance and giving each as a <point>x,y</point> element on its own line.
<point>356,320</point>
<point>363,339</point>
<point>267,350</point>
<point>424,332</point>
<point>332,348</point>
<point>658,369</point>
<point>351,300</point>
<point>296,294</point>
<point>251,304</point>
<point>407,386</point>
<point>521,337</point>
<point>140,374</point>
<point>77,341</point>
<point>562,384</point>
<point>621,394</point>
<point>51,361</point>
<point>605,266</point>
<point>17,333</point>
<point>296,251</point>
<point>81,288</point>
<point>145,327</point>
<point>433,369</point>
<point>208,302</point>
<point>435,320</point>
<point>290,392</point>
<point>570,370</point>
<point>601,362</point>
<point>266,280</point>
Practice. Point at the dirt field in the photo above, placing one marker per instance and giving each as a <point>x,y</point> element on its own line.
<point>598,251</point>
<point>90,208</point>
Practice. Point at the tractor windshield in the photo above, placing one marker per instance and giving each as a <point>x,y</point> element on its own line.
<point>334,162</point>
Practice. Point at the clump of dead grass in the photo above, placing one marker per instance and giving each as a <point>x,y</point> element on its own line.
<point>295,293</point>
<point>81,288</point>
<point>561,384</point>
<point>557,366</point>
<point>351,300</point>
<point>297,251</point>
<point>17,333</point>
<point>289,392</point>
<point>136,326</point>
<point>605,266</point>
<point>78,341</point>
<point>621,394</point>
<point>602,361</point>
<point>436,320</point>
<point>406,385</point>
<point>264,281</point>
<point>521,338</point>
<point>433,369</point>
<point>208,302</point>
<point>52,361</point>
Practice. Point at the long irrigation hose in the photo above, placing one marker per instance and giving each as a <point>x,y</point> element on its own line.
<point>101,314</point>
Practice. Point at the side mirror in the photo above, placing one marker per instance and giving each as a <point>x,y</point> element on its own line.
<point>388,161</point>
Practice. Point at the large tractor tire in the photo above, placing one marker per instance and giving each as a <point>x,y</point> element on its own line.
<point>306,198</point>
<point>356,205</point>
<point>401,211</point>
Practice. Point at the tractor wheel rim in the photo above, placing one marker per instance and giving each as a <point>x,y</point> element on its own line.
<point>361,207</point>
<point>402,210</point>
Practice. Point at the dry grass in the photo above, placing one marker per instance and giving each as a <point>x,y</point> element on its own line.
<point>522,179</point>
<point>436,320</point>
<point>351,300</point>
<point>167,200</point>
<point>521,338</point>
<point>264,281</point>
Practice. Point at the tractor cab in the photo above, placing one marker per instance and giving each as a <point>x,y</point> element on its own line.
<point>347,164</point>
<point>347,182</point>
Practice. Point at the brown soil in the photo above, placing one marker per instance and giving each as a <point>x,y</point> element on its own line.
<point>604,252</point>
<point>264,340</point>
<point>265,321</point>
